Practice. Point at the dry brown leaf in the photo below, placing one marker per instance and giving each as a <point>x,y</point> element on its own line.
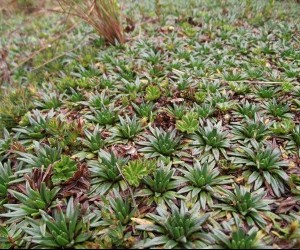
<point>142,221</point>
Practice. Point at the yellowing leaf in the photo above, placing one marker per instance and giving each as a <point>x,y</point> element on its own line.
<point>142,221</point>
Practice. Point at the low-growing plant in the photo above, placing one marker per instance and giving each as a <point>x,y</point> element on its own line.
<point>219,99</point>
<point>93,140</point>
<point>33,125</point>
<point>115,237</point>
<point>136,170</point>
<point>63,133</point>
<point>239,239</point>
<point>63,170</point>
<point>98,100</point>
<point>297,92</point>
<point>211,87</point>
<point>5,177</point>
<point>160,186</point>
<point>153,93</point>
<point>225,107</point>
<point>294,184</point>
<point>227,165</point>
<point>49,101</point>
<point>239,88</point>
<point>131,88</point>
<point>252,131</point>
<point>204,111</point>
<point>75,96</point>
<point>233,76</point>
<point>183,84</point>
<point>180,228</point>
<point>279,110</point>
<point>144,110</point>
<point>126,71</point>
<point>11,236</point>
<point>263,164</point>
<point>247,110</point>
<point>64,229</point>
<point>177,111</point>
<point>201,182</point>
<point>66,83</point>
<point>294,142</point>
<point>14,105</point>
<point>5,144</point>
<point>30,203</point>
<point>296,101</point>
<point>160,143</point>
<point>152,56</point>
<point>115,209</point>
<point>286,87</point>
<point>188,123</point>
<point>212,141</point>
<point>290,233</point>
<point>128,128</point>
<point>44,156</point>
<point>200,107</point>
<point>283,127</point>
<point>200,97</point>
<point>105,173</point>
<point>105,116</point>
<point>255,72</point>
<point>266,92</point>
<point>245,205</point>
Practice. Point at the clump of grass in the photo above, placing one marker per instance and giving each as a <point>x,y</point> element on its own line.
<point>103,15</point>
<point>14,104</point>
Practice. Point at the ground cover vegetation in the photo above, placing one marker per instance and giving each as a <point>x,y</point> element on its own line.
<point>177,127</point>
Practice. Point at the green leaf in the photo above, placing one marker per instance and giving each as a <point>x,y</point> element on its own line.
<point>189,123</point>
<point>136,170</point>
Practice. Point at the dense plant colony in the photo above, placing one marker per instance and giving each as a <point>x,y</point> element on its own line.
<point>186,136</point>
